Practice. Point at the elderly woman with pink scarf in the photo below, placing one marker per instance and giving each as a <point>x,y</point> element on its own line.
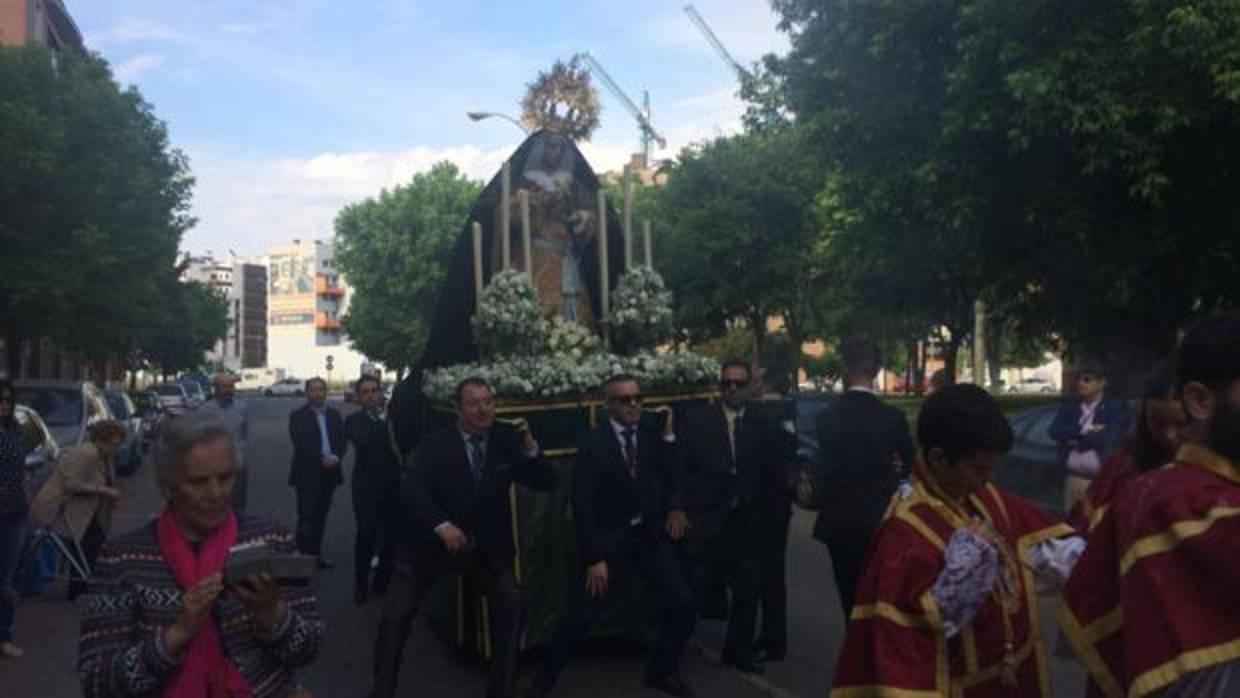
<point>158,619</point>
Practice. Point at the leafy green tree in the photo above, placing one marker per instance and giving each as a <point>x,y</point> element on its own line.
<point>1076,175</point>
<point>394,250</point>
<point>740,235</point>
<point>188,322</point>
<point>93,202</point>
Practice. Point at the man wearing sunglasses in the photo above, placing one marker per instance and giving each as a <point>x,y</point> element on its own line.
<point>732,456</point>
<point>620,509</point>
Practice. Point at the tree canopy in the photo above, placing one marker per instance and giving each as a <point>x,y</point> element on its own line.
<point>394,250</point>
<point>93,203</point>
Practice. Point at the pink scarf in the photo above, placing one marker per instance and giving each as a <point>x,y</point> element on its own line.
<point>205,671</point>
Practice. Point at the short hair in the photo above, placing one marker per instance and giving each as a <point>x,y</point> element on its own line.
<point>367,378</point>
<point>177,437</point>
<point>861,356</point>
<point>619,378</point>
<point>224,376</point>
<point>963,419</point>
<point>316,379</point>
<point>471,380</point>
<point>105,429</point>
<point>1092,368</point>
<point>1210,352</point>
<point>736,363</point>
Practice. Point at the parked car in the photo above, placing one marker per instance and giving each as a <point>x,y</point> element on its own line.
<point>198,384</point>
<point>130,455</point>
<point>151,410</point>
<point>285,388</point>
<point>1032,468</point>
<point>1032,386</point>
<point>174,398</point>
<point>67,407</point>
<point>194,392</point>
<point>42,451</point>
<point>808,406</point>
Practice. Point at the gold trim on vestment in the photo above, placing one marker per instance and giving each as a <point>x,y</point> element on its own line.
<point>1187,662</point>
<point>1175,534</point>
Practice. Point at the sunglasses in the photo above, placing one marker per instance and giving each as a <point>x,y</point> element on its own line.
<point>733,384</point>
<point>631,400</point>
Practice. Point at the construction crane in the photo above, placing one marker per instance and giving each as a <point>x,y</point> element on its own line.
<point>714,41</point>
<point>649,134</point>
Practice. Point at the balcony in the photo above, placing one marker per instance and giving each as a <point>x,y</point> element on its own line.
<point>323,321</point>
<point>323,287</point>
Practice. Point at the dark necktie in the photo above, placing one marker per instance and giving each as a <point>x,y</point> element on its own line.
<point>630,451</point>
<point>475,457</point>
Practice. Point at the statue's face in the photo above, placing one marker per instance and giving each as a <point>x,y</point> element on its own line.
<point>553,149</point>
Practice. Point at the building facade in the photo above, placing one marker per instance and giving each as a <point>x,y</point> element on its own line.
<point>244,285</point>
<point>306,298</point>
<point>45,22</point>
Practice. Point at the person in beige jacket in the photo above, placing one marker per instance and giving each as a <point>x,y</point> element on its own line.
<point>83,488</point>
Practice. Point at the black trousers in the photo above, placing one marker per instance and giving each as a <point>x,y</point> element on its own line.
<point>720,550</point>
<point>655,560</point>
<point>313,504</point>
<point>92,541</point>
<point>773,597</point>
<point>375,510</point>
<point>847,559</point>
<point>409,588</point>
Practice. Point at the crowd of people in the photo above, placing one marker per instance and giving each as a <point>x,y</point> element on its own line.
<point>938,570</point>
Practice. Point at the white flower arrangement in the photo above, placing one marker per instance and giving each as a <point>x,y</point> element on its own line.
<point>508,322</point>
<point>560,376</point>
<point>568,338</point>
<point>641,307</point>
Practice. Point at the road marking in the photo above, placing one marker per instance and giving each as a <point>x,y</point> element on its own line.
<point>758,682</point>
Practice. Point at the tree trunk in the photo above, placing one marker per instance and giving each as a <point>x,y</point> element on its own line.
<point>12,349</point>
<point>950,351</point>
<point>757,326</point>
<point>795,337</point>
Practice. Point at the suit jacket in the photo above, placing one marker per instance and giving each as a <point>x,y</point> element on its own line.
<point>864,448</point>
<point>79,477</point>
<point>710,479</point>
<point>439,487</point>
<point>1112,415</point>
<point>307,468</point>
<point>606,499</point>
<point>374,460</point>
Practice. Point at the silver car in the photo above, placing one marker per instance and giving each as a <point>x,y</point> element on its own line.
<point>67,407</point>
<point>40,445</point>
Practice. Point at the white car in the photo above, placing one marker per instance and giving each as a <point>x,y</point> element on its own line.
<point>285,388</point>
<point>1032,386</point>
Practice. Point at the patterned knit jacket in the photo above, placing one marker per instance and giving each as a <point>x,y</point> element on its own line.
<point>133,597</point>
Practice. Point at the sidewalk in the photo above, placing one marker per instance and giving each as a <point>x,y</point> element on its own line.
<point>47,624</point>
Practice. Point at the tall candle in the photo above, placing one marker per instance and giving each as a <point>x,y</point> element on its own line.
<point>628,221</point>
<point>524,196</point>
<point>646,243</point>
<point>604,276</point>
<point>477,227</point>
<point>504,215</point>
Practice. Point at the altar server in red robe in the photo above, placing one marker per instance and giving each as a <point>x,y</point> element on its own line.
<point>947,602</point>
<point>1153,608</point>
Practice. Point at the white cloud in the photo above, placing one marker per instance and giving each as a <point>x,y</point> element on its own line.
<point>132,69</point>
<point>248,205</point>
<point>134,29</point>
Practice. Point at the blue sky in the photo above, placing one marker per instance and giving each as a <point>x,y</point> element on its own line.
<point>290,109</point>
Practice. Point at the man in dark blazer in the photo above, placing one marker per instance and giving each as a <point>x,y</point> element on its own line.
<point>621,477</point>
<point>376,489</point>
<point>1087,430</point>
<point>864,449</point>
<point>731,454</point>
<point>319,445</point>
<point>457,492</point>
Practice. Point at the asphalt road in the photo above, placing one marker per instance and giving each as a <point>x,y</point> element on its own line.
<point>47,625</point>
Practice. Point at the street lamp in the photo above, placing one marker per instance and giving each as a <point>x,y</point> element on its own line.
<point>480,115</point>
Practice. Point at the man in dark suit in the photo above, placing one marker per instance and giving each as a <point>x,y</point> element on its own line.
<point>457,492</point>
<point>376,489</point>
<point>319,445</point>
<point>620,482</point>
<point>1087,430</point>
<point>731,454</point>
<point>864,449</point>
